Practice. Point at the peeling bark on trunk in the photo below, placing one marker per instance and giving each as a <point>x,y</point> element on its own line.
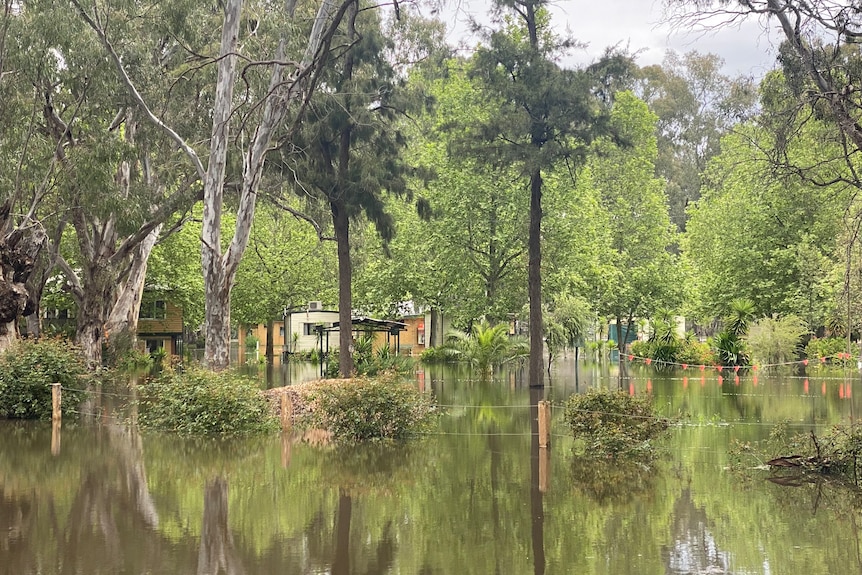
<point>217,281</point>
<point>93,307</point>
<point>123,317</point>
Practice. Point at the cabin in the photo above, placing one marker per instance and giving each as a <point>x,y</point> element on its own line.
<point>314,326</point>
<point>160,326</point>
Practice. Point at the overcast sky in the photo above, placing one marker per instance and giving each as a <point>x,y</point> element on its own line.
<point>746,49</point>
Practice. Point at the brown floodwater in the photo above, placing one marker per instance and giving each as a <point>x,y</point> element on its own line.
<point>475,496</point>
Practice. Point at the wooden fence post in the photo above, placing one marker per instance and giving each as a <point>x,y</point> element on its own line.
<point>56,418</point>
<point>56,405</point>
<point>544,424</point>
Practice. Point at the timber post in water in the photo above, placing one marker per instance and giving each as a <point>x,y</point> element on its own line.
<point>56,418</point>
<point>56,398</point>
<point>544,424</point>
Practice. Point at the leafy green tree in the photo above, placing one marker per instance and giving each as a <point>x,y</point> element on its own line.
<point>768,239</point>
<point>547,114</point>
<point>286,265</point>
<point>644,274</point>
<point>270,34</point>
<point>474,242</point>
<point>348,149</point>
<point>696,105</point>
<point>776,340</point>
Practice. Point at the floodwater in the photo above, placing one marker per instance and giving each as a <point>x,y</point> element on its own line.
<point>477,496</point>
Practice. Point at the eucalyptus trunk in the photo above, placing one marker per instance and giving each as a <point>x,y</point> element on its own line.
<point>123,316</point>
<point>94,304</point>
<point>217,282</point>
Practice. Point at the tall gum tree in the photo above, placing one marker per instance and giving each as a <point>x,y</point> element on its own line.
<point>548,115</point>
<point>265,112</point>
<point>822,66</point>
<point>348,152</point>
<point>100,172</point>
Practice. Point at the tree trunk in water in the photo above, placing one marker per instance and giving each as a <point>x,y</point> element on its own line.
<point>217,553</point>
<point>534,282</point>
<point>92,314</point>
<point>341,562</point>
<point>345,297</point>
<point>270,345</point>
<point>537,507</point>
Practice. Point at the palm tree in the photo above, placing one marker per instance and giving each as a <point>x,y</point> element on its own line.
<point>487,346</point>
<point>741,314</point>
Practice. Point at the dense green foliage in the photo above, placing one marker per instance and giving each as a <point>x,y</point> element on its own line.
<point>27,371</point>
<point>832,349</point>
<point>370,409</point>
<point>614,423</point>
<point>198,401</point>
<point>776,340</point>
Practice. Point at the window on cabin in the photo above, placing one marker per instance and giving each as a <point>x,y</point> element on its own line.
<point>157,309</point>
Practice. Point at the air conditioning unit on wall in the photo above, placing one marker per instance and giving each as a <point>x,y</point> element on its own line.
<point>315,306</point>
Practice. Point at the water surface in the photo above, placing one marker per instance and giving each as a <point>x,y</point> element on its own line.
<point>477,496</point>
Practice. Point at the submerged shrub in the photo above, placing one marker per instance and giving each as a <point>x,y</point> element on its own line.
<point>613,423</point>
<point>201,401</point>
<point>28,369</point>
<point>775,340</point>
<point>835,453</point>
<point>370,409</point>
<point>831,348</point>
